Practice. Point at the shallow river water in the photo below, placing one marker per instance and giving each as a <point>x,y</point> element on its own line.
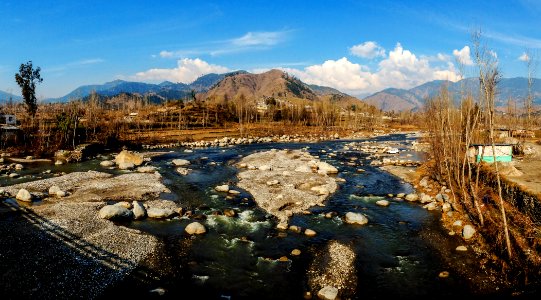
<point>399,253</point>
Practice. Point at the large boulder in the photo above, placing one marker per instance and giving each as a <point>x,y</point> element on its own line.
<point>412,197</point>
<point>139,211</point>
<point>24,195</point>
<point>222,188</point>
<point>195,228</point>
<point>180,162</point>
<point>327,293</point>
<point>355,218</point>
<point>127,157</point>
<point>115,212</point>
<point>160,213</point>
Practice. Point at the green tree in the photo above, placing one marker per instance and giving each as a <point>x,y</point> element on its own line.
<point>27,79</point>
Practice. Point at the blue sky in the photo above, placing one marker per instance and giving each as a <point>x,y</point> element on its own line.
<point>359,47</point>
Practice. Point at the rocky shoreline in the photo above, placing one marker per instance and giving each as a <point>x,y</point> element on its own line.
<point>282,182</point>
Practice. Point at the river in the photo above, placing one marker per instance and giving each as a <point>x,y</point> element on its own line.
<point>399,253</point>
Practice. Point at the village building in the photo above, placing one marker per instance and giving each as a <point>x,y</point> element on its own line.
<point>486,153</point>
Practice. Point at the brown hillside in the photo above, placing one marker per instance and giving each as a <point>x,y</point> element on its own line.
<point>276,84</point>
<point>273,83</point>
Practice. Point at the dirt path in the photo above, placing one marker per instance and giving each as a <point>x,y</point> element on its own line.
<point>530,166</point>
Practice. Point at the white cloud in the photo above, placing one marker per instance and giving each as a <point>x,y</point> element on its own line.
<point>463,56</point>
<point>89,61</point>
<point>166,54</point>
<point>401,69</point>
<point>367,50</point>
<point>268,38</point>
<point>248,42</point>
<point>524,57</point>
<point>187,71</point>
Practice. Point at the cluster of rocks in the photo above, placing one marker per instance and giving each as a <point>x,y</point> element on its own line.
<point>69,212</point>
<point>231,141</point>
<point>440,201</point>
<point>10,169</point>
<point>383,154</point>
<point>156,209</point>
<point>285,182</point>
<point>80,153</point>
<point>395,162</point>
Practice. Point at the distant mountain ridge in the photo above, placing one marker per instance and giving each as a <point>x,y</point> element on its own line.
<point>413,99</point>
<point>5,96</point>
<point>280,84</point>
<point>165,90</point>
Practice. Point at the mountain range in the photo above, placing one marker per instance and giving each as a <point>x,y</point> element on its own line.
<point>276,83</point>
<point>5,96</point>
<point>392,99</point>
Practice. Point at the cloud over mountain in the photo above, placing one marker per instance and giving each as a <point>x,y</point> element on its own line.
<point>187,70</point>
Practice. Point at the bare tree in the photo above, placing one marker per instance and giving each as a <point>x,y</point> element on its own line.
<point>489,77</point>
<point>530,59</point>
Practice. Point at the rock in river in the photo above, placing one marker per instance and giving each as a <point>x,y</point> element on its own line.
<point>115,212</point>
<point>299,187</point>
<point>195,228</point>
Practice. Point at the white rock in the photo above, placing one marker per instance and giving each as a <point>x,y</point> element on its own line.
<point>273,182</point>
<point>124,204</point>
<point>326,168</point>
<point>180,162</point>
<point>468,231</point>
<point>24,195</point>
<point>114,212</point>
<point>222,188</point>
<point>107,163</point>
<point>355,218</point>
<point>195,228</point>
<point>412,197</point>
<point>147,169</point>
<point>327,293</point>
<point>265,168</point>
<point>126,156</point>
<point>446,207</point>
<point>461,248</point>
<point>126,165</point>
<point>159,213</point>
<point>139,211</point>
<point>382,203</point>
<point>183,171</point>
<point>309,232</point>
<point>431,206</point>
<point>56,191</point>
<point>425,198</point>
<point>19,167</point>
